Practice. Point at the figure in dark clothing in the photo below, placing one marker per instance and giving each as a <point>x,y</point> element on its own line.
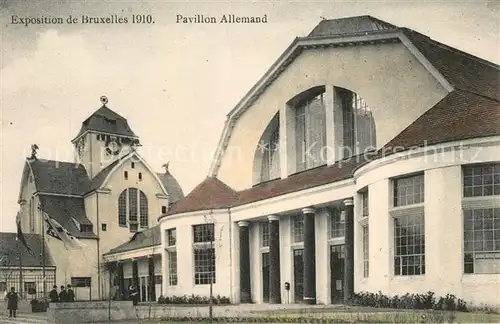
<point>63,295</point>
<point>71,294</point>
<point>12,299</point>
<point>133,294</point>
<point>54,296</point>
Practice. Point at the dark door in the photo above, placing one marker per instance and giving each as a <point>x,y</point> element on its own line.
<point>298,275</point>
<point>265,277</point>
<point>337,273</point>
<point>144,295</point>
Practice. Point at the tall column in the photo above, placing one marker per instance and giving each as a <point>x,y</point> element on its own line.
<point>309,257</point>
<point>245,288</point>
<point>274,260</point>
<point>121,281</point>
<point>151,277</point>
<point>135,273</point>
<point>349,250</point>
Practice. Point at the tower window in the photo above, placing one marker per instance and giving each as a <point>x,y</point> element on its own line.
<point>104,227</point>
<point>125,175</point>
<point>140,176</point>
<point>133,165</point>
<point>133,206</point>
<point>163,209</point>
<point>98,137</point>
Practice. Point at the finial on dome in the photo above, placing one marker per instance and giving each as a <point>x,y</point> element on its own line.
<point>104,100</point>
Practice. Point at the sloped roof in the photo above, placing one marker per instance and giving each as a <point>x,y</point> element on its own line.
<point>341,170</point>
<point>462,70</point>
<point>143,239</point>
<point>172,186</point>
<point>107,121</point>
<point>210,194</point>
<point>60,177</point>
<point>98,180</point>
<point>350,25</point>
<point>62,209</point>
<point>460,115</point>
<point>11,249</point>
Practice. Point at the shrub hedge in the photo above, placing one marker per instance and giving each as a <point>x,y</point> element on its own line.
<point>410,301</point>
<point>193,300</point>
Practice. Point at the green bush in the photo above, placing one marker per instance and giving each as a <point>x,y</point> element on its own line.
<point>410,301</point>
<point>193,300</point>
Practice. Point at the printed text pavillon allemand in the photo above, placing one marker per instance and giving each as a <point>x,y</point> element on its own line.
<point>224,19</point>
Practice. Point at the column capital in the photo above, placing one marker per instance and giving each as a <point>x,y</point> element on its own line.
<point>308,210</point>
<point>349,202</point>
<point>150,256</point>
<point>243,224</point>
<point>273,218</point>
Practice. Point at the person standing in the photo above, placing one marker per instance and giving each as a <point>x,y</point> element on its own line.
<point>71,294</point>
<point>54,296</point>
<point>12,300</point>
<point>63,295</point>
<point>133,294</point>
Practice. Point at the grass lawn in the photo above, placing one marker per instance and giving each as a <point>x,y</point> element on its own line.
<point>395,316</point>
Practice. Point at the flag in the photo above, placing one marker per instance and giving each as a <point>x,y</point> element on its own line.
<point>20,236</point>
<point>57,231</point>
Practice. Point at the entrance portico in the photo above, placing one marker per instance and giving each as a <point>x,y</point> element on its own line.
<point>305,249</point>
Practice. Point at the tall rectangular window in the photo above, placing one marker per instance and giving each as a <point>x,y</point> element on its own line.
<point>132,205</point>
<point>366,253</point>
<point>122,209</point>
<point>409,190</point>
<point>409,244</point>
<point>204,254</point>
<point>365,233</point>
<point>172,256</point>
<point>298,228</point>
<point>409,226</point>
<point>310,132</point>
<point>337,222</point>
<point>172,267</point>
<point>481,219</point>
<point>264,234</point>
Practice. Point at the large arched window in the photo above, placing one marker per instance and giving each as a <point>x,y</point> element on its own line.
<point>359,133</point>
<point>133,204</point>
<point>310,128</point>
<point>267,154</point>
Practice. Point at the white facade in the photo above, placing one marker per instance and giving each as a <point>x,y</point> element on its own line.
<point>413,234</point>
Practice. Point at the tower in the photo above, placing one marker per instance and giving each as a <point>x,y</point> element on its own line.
<point>103,138</point>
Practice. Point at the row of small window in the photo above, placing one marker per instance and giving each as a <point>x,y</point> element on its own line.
<point>139,175</point>
<point>202,233</point>
<point>478,181</point>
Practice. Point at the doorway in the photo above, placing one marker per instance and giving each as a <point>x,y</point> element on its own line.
<point>298,275</point>
<point>337,255</point>
<point>265,277</point>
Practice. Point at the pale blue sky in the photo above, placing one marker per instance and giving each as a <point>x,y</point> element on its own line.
<point>175,83</point>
